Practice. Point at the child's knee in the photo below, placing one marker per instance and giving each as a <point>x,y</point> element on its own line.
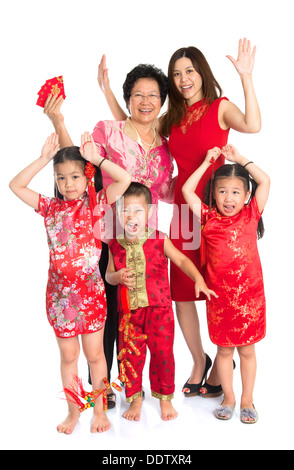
<point>246,352</point>
<point>69,356</point>
<point>94,356</point>
<point>225,353</point>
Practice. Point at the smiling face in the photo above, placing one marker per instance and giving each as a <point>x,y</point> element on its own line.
<point>187,80</point>
<point>230,195</point>
<point>70,179</point>
<point>145,101</point>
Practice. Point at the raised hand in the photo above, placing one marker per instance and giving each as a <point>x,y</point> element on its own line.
<point>103,79</point>
<point>19,184</point>
<point>88,148</point>
<point>52,109</point>
<point>245,60</point>
<point>231,153</point>
<point>213,154</point>
<point>51,147</point>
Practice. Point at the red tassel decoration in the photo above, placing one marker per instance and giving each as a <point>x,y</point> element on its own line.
<point>128,336</point>
<point>90,171</point>
<point>124,321</point>
<point>203,244</point>
<point>212,161</point>
<point>125,300</point>
<point>202,250</point>
<point>75,393</point>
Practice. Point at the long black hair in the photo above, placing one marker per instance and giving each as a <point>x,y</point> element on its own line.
<point>73,154</point>
<point>177,108</point>
<point>238,171</point>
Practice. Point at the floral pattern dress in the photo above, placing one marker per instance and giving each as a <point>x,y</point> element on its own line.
<point>75,297</point>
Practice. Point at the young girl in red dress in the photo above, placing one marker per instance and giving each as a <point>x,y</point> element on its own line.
<point>75,297</point>
<point>231,222</point>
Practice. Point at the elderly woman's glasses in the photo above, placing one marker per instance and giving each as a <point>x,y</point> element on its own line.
<point>152,98</point>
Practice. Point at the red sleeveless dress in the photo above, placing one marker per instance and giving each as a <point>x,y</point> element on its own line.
<point>189,143</point>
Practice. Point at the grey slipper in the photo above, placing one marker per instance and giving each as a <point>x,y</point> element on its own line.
<point>225,412</point>
<point>248,413</point>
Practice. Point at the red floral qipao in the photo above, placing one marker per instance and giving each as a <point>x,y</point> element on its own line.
<point>75,297</point>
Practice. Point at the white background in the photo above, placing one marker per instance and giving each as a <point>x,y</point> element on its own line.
<point>40,40</point>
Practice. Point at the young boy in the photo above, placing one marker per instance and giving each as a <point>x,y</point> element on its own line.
<point>138,260</point>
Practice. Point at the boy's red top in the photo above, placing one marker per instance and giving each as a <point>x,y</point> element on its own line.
<point>147,260</point>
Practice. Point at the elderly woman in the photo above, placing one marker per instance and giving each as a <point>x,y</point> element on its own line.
<point>136,146</point>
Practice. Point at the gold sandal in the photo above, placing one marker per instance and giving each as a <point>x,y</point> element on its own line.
<point>249,413</point>
<point>225,412</point>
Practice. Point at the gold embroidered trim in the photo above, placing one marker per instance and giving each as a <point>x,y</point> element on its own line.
<point>162,397</point>
<point>135,260</point>
<point>133,397</point>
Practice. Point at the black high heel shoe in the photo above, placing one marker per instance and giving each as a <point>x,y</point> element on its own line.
<point>213,391</point>
<point>192,390</point>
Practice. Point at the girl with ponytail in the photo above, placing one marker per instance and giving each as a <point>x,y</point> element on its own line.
<point>231,221</point>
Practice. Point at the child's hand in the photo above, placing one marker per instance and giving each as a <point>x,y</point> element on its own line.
<point>213,154</point>
<point>200,286</point>
<point>88,148</point>
<point>231,153</point>
<point>51,147</point>
<point>126,277</point>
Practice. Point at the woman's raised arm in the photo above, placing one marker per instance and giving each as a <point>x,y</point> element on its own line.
<point>229,114</point>
<point>103,81</point>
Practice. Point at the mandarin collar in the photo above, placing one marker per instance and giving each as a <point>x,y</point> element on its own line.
<point>74,201</point>
<point>196,105</point>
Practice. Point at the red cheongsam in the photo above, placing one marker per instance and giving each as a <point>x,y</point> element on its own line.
<point>233,271</point>
<point>75,297</point>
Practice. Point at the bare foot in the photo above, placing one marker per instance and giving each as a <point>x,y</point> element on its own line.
<point>100,422</point>
<point>167,410</point>
<point>134,411</point>
<point>67,426</point>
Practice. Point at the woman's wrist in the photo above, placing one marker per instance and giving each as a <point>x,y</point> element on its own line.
<point>58,124</point>
<point>246,79</point>
<point>108,93</point>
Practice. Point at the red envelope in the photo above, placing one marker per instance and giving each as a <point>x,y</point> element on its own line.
<point>53,86</point>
